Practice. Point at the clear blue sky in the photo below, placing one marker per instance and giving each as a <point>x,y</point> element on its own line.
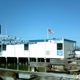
<point>30,18</point>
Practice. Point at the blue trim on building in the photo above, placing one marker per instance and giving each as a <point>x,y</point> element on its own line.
<point>42,40</point>
<point>69,40</point>
<point>30,41</point>
<point>77,50</point>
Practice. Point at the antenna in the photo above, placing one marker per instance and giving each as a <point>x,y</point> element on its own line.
<point>6,26</point>
<point>0,29</point>
<point>1,36</point>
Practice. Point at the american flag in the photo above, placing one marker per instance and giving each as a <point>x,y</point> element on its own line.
<point>50,31</point>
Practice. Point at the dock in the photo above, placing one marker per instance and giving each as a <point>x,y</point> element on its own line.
<point>57,69</point>
<point>16,74</point>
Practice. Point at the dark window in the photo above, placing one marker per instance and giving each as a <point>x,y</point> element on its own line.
<point>12,60</point>
<point>26,46</point>
<point>41,60</point>
<point>3,47</point>
<point>32,59</point>
<point>59,46</point>
<point>47,60</point>
<point>23,60</point>
<point>2,60</point>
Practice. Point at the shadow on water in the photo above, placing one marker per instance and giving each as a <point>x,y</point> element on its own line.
<point>20,64</point>
<point>2,62</point>
<point>14,63</point>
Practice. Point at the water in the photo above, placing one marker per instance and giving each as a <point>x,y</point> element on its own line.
<point>7,78</point>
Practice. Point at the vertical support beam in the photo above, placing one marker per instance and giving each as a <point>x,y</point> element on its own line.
<point>63,48</point>
<point>75,45</point>
<point>14,48</point>
<point>75,48</point>
<point>45,52</point>
<point>6,62</point>
<point>45,47</point>
<point>28,64</point>
<point>45,67</point>
<point>17,64</point>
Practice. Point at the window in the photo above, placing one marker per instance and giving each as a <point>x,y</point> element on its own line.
<point>2,60</point>
<point>59,46</point>
<point>47,52</point>
<point>32,59</point>
<point>47,60</point>
<point>3,47</point>
<point>41,60</point>
<point>12,60</point>
<point>23,60</point>
<point>26,46</point>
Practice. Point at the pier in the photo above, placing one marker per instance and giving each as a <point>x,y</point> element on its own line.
<point>32,69</point>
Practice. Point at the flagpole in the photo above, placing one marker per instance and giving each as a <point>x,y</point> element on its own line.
<point>47,34</point>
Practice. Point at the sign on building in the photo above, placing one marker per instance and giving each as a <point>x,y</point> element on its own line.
<point>59,53</point>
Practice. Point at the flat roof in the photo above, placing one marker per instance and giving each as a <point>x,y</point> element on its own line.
<point>77,50</point>
<point>32,41</point>
<point>69,40</point>
<point>42,40</point>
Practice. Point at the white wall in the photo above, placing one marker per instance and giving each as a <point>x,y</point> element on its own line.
<point>77,53</point>
<point>9,51</point>
<point>39,50</point>
<point>52,47</point>
<point>32,50</point>
<point>44,50</point>
<point>14,51</point>
<point>4,54</point>
<point>19,50</point>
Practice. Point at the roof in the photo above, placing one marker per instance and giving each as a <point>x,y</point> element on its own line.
<point>77,50</point>
<point>42,40</point>
<point>69,40</point>
<point>31,41</point>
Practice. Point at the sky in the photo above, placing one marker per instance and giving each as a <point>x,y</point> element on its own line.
<point>30,19</point>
